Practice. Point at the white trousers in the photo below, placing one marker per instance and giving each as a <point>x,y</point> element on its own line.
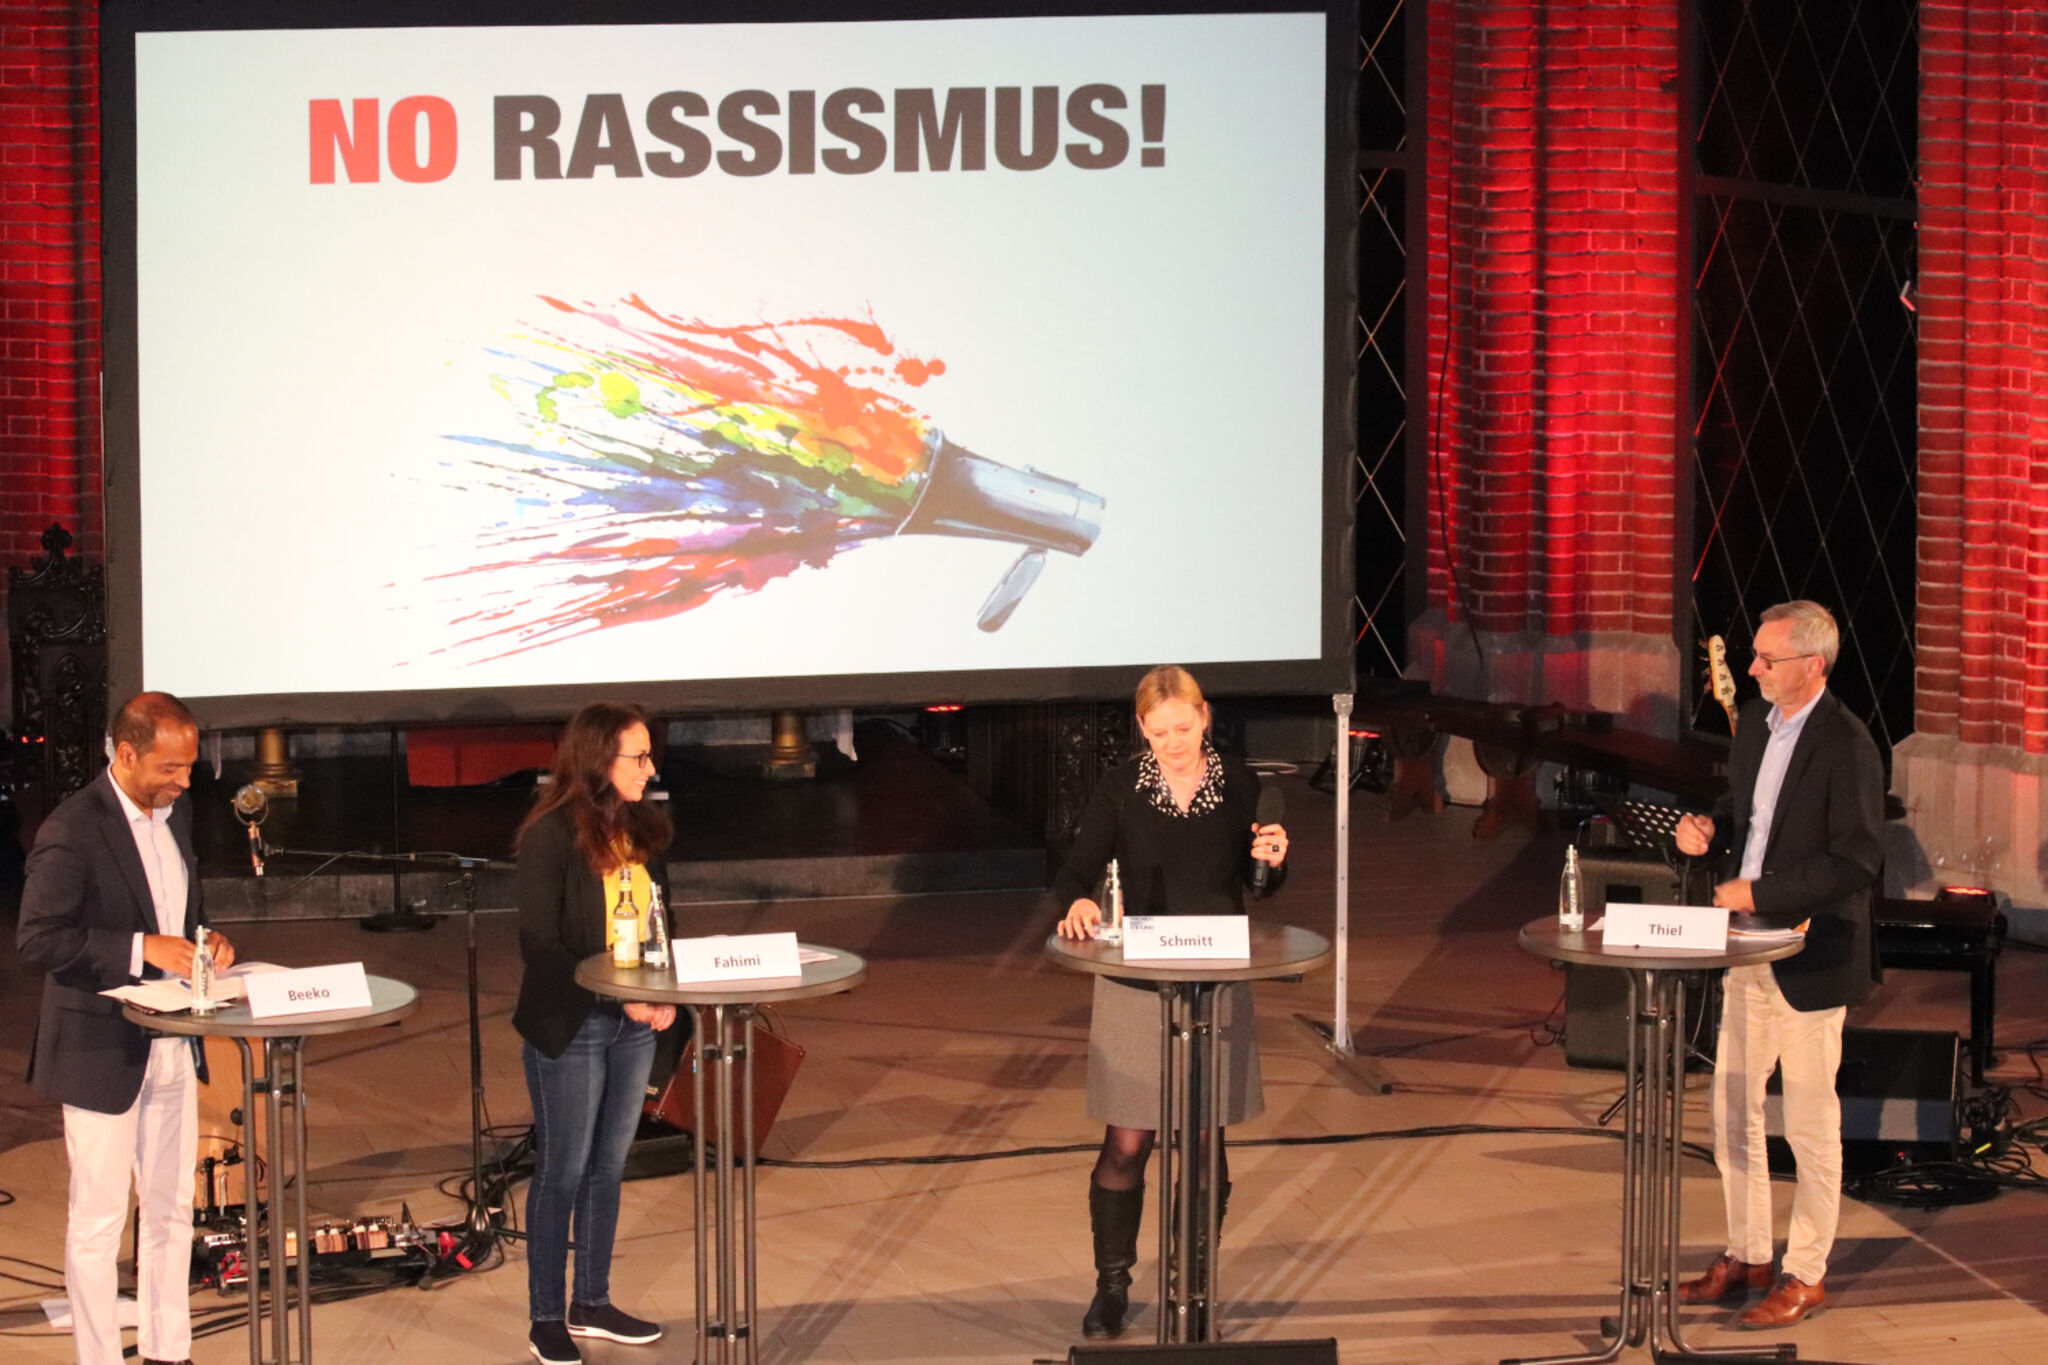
<point>1760,1032</point>
<point>156,1140</point>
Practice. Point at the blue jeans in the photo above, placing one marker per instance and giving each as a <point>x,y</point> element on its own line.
<point>586,1108</point>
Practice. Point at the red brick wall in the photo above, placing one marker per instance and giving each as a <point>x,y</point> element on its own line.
<point>49,275</point>
<point>1552,172</point>
<point>1982,600</point>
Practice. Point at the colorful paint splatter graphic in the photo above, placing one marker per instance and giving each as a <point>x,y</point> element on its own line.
<point>658,461</point>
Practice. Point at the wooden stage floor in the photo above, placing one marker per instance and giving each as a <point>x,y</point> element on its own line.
<point>1462,1248</point>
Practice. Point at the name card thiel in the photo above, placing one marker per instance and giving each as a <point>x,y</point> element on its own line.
<point>736,957</point>
<point>1207,938</point>
<point>308,990</point>
<point>1665,926</point>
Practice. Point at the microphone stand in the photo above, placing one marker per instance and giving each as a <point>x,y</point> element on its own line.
<point>479,1221</point>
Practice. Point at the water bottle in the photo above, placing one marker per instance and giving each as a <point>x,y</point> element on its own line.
<point>1112,931</point>
<point>202,974</point>
<point>1571,894</point>
<point>655,951</point>
<point>625,923</point>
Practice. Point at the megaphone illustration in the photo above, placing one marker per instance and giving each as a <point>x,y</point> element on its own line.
<point>970,495</point>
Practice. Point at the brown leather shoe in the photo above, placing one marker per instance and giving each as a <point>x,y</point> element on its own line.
<point>1791,1300</point>
<point>1726,1278</point>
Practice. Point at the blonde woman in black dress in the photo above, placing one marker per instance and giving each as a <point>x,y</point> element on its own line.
<point>1178,819</point>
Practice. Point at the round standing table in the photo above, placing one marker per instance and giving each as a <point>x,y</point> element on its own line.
<point>1191,1144</point>
<point>723,1016</point>
<point>1653,1134</point>
<point>283,1080</point>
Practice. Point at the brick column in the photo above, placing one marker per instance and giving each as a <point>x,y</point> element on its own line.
<point>49,280</point>
<point>1552,180</point>
<point>1971,775</point>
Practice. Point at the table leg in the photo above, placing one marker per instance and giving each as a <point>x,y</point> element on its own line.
<point>1209,1049</point>
<point>279,1260</point>
<point>1168,996</point>
<point>748,1154</point>
<point>302,1225</point>
<point>701,1024</point>
<point>252,1222</point>
<point>1670,1012</point>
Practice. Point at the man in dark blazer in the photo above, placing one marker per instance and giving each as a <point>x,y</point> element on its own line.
<point>112,896</point>
<point>1804,814</point>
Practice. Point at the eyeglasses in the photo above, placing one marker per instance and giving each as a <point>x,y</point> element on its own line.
<point>643,759</point>
<point>1768,662</point>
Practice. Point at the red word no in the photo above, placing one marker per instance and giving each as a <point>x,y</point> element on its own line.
<point>353,139</point>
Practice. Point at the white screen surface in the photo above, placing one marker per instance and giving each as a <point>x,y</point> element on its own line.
<point>498,429</point>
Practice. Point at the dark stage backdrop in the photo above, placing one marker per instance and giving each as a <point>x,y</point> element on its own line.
<point>460,360</point>
<point>1805,452</point>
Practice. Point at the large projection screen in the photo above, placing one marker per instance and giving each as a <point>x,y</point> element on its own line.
<point>463,363</point>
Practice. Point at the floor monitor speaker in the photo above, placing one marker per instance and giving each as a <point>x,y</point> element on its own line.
<point>1596,998</point>
<point>1900,1090</point>
<point>1322,1352</point>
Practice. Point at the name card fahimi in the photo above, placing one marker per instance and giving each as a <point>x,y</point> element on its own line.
<point>736,957</point>
<point>308,990</point>
<point>1201,937</point>
<point>1665,926</point>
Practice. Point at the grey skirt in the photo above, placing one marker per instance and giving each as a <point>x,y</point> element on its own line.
<point>1123,1055</point>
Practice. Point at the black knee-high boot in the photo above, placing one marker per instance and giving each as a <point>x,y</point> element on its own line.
<point>1113,1216</point>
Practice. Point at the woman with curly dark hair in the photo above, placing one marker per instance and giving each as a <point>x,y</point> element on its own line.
<point>589,840</point>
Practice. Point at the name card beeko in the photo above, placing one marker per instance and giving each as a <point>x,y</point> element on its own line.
<point>1665,926</point>
<point>736,957</point>
<point>308,990</point>
<point>1201,937</point>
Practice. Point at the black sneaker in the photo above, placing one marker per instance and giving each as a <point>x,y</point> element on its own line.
<point>550,1344</point>
<point>609,1323</point>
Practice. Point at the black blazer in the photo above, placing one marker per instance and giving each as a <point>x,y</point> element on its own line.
<point>1825,851</point>
<point>85,899</point>
<point>562,918</point>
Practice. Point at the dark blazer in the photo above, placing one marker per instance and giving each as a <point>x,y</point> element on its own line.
<point>562,918</point>
<point>85,899</point>
<point>1168,864</point>
<point>1825,852</point>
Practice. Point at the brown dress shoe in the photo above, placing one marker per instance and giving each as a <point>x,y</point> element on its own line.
<point>1791,1300</point>
<point>1726,1278</point>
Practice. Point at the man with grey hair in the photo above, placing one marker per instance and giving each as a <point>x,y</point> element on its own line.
<point>112,896</point>
<point>1804,814</point>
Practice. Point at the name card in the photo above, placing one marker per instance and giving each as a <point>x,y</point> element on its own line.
<point>1665,926</point>
<point>1200,937</point>
<point>308,990</point>
<point>736,957</point>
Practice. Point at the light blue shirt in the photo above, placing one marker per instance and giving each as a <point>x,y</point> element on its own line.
<point>1770,778</point>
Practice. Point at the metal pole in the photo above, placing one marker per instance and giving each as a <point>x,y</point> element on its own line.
<point>1164,1141</point>
<point>728,1299</point>
<point>1210,1034</point>
<point>280,1263</point>
<point>1340,1018</point>
<point>297,1048</point>
<point>251,1223</point>
<point>747,1228</point>
<point>699,1018</point>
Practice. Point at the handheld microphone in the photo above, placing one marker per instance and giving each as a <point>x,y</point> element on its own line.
<point>251,805</point>
<point>1272,805</point>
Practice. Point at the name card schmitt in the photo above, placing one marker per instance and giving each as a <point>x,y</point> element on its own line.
<point>1665,926</point>
<point>308,990</point>
<point>736,957</point>
<point>1202,938</point>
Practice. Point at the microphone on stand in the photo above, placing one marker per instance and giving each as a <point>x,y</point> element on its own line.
<point>1272,805</point>
<point>251,805</point>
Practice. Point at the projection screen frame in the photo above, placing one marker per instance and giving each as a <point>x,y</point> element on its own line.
<point>1330,673</point>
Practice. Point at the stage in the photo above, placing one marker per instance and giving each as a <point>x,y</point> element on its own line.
<point>1462,1248</point>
